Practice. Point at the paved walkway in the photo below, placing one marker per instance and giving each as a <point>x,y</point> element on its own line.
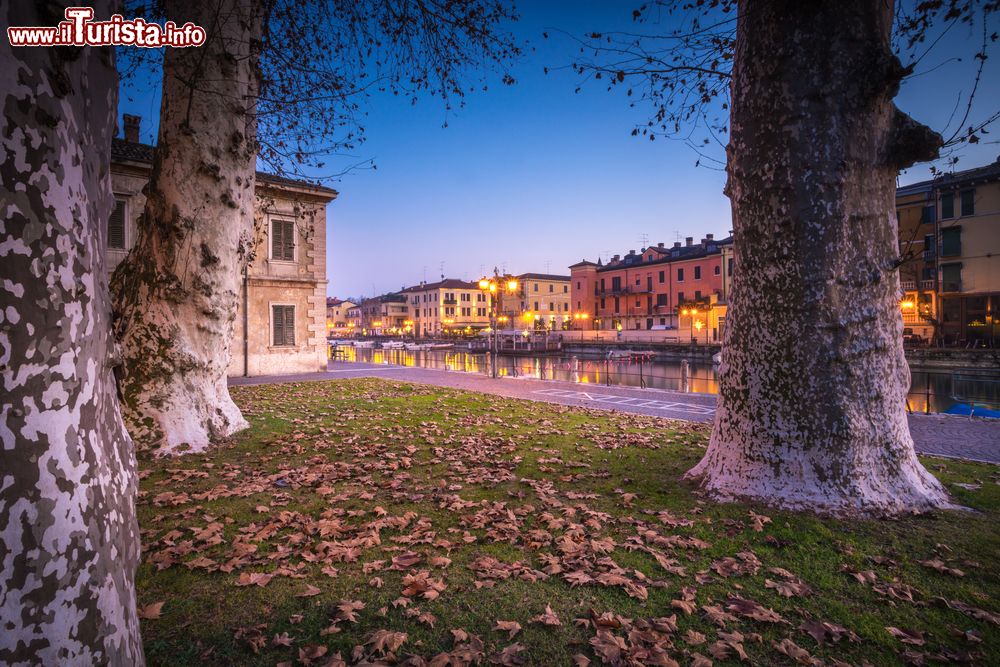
<point>941,435</point>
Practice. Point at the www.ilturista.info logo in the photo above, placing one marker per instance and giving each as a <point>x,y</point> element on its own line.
<point>80,30</point>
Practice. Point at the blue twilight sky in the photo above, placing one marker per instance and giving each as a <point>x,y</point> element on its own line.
<point>535,177</point>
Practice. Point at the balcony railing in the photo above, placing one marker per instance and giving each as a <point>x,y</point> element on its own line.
<point>911,285</point>
<point>450,302</point>
<point>622,291</point>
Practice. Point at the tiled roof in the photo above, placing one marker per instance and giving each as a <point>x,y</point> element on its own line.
<point>129,151</point>
<point>542,276</point>
<point>667,255</point>
<point>447,283</point>
<point>985,173</point>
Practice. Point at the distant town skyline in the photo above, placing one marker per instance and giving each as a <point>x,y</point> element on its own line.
<point>534,177</point>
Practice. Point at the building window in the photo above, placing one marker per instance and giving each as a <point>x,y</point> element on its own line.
<point>680,275</point>
<point>283,325</point>
<point>947,206</point>
<point>680,297</point>
<point>552,288</point>
<point>697,273</point>
<point>717,269</point>
<point>968,202</point>
<point>578,284</point>
<point>951,277</point>
<point>536,287</point>
<point>116,226</point>
<point>565,289</point>
<point>283,240</point>
<point>618,305</point>
<point>927,215</point>
<point>951,242</point>
<point>663,276</point>
<point>536,306</point>
<point>661,300</point>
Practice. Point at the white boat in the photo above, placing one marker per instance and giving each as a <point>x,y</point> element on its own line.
<point>717,358</point>
<point>364,343</point>
<point>393,345</point>
<point>440,346</point>
<point>418,346</point>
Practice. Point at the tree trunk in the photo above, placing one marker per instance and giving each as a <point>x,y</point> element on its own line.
<point>176,294</point>
<point>69,541</point>
<point>813,382</point>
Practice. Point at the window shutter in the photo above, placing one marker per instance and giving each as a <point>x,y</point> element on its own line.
<point>289,240</point>
<point>116,226</point>
<point>283,240</point>
<point>951,241</point>
<point>948,206</point>
<point>289,325</point>
<point>278,323</point>
<point>276,242</point>
<point>968,202</point>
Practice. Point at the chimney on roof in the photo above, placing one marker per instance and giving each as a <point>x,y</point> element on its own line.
<point>132,127</point>
<point>677,244</point>
<point>659,245</point>
<point>689,240</point>
<point>709,236</point>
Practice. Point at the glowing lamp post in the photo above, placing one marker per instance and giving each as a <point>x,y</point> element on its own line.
<point>496,287</point>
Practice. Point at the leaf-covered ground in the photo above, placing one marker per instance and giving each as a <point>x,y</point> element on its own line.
<point>374,522</point>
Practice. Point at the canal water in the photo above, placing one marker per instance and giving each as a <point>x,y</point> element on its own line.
<point>930,390</point>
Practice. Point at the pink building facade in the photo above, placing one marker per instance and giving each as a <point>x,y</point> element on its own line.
<point>655,288</point>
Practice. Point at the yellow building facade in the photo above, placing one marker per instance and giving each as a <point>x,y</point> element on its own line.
<point>449,306</point>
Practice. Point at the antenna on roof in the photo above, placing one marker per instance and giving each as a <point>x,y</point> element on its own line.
<point>644,237</point>
<point>677,235</point>
<point>425,273</point>
<point>548,264</point>
<point>441,266</point>
<point>607,255</point>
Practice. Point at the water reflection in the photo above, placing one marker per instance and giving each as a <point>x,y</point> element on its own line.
<point>931,391</point>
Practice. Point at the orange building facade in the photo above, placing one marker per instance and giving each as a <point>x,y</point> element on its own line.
<point>684,288</point>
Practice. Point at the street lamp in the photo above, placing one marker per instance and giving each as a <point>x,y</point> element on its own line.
<point>497,287</point>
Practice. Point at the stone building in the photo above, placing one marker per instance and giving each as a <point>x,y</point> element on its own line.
<point>447,306</point>
<point>684,287</point>
<point>383,315</point>
<point>544,301</point>
<point>337,315</point>
<point>949,232</point>
<point>281,323</point>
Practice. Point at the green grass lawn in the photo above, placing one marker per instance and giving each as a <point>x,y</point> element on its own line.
<point>383,522</point>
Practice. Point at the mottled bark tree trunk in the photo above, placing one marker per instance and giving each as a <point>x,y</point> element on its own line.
<point>69,541</point>
<point>176,294</point>
<point>813,381</point>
